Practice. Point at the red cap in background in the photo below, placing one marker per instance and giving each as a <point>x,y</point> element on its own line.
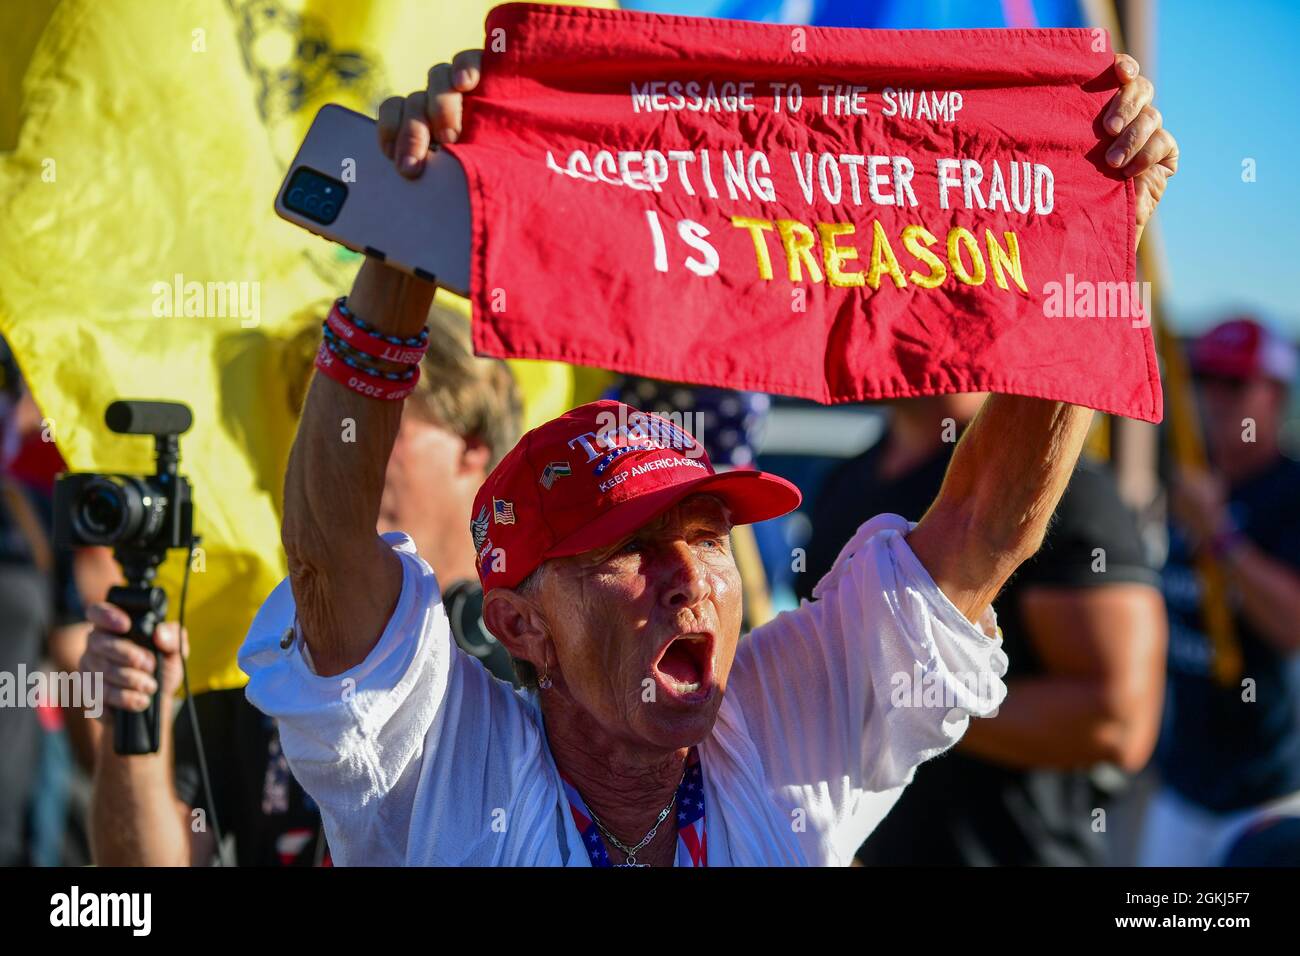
<point>1242,348</point>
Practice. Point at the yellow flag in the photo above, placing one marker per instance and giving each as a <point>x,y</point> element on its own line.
<point>143,143</point>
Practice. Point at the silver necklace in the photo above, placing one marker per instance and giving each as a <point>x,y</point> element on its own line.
<point>631,852</point>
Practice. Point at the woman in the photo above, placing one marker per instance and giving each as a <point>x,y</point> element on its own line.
<point>653,735</point>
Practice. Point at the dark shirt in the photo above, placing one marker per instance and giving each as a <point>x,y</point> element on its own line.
<point>962,810</point>
<point>1218,750</point>
<point>273,820</point>
<point>25,609</point>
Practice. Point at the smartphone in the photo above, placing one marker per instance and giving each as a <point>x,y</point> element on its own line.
<point>341,186</point>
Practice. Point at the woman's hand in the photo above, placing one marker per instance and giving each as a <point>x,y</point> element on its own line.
<point>1142,148</point>
<point>410,126</point>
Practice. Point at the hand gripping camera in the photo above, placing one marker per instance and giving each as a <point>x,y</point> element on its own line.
<point>141,517</point>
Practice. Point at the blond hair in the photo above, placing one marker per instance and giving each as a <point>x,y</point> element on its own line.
<point>471,396</point>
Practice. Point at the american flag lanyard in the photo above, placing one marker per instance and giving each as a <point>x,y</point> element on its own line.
<point>692,845</point>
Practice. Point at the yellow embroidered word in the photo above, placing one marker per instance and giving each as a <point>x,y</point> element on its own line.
<point>964,258</point>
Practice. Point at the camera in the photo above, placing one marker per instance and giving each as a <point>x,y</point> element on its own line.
<point>315,195</point>
<point>141,513</point>
<point>141,517</point>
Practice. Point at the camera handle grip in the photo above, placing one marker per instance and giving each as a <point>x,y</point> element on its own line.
<point>140,732</point>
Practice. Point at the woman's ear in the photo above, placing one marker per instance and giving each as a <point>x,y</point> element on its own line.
<point>476,457</point>
<point>517,623</point>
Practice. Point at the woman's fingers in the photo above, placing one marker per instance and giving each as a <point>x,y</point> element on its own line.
<point>1128,103</point>
<point>1126,68</point>
<point>410,127</point>
<point>1132,141</point>
<point>413,136</point>
<point>438,80</point>
<point>448,84</point>
<point>466,68</point>
<point>389,122</point>
<point>1160,150</point>
<point>444,105</point>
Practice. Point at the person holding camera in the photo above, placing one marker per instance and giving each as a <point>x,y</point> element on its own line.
<point>151,810</point>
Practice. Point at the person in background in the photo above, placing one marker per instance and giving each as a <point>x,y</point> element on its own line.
<point>1228,749</point>
<point>463,417</point>
<point>44,614</point>
<point>26,569</point>
<point>1083,626</point>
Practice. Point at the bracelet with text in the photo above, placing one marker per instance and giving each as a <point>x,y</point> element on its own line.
<point>369,341</point>
<point>360,361</point>
<point>351,378</point>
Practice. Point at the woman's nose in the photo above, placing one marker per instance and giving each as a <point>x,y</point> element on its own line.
<point>686,583</point>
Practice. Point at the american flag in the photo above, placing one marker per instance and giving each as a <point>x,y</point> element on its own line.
<point>556,469</point>
<point>692,840</point>
<point>503,512</point>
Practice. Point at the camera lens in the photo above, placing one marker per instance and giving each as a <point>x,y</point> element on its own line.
<point>315,195</point>
<point>113,510</point>
<point>101,511</point>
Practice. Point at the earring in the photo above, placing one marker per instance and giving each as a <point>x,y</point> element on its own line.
<point>545,682</point>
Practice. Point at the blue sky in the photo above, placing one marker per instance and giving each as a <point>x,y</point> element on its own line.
<point>1228,84</point>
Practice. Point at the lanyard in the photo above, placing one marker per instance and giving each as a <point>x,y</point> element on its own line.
<point>692,845</point>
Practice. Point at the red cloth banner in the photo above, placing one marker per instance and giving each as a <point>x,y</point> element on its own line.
<point>828,213</point>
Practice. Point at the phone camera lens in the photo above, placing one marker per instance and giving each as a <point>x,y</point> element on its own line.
<point>315,195</point>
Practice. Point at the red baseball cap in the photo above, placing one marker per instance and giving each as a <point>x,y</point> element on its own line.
<point>594,475</point>
<point>1242,348</point>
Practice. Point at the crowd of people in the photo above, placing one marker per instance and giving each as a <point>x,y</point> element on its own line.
<point>1096,669</point>
<point>1109,684</point>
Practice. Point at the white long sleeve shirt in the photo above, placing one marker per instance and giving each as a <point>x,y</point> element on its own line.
<point>419,756</point>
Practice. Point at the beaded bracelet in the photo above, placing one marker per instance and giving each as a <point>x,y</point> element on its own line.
<point>359,381</point>
<point>368,341</point>
<point>349,356</point>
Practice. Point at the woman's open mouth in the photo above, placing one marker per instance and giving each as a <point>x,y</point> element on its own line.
<point>684,669</point>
